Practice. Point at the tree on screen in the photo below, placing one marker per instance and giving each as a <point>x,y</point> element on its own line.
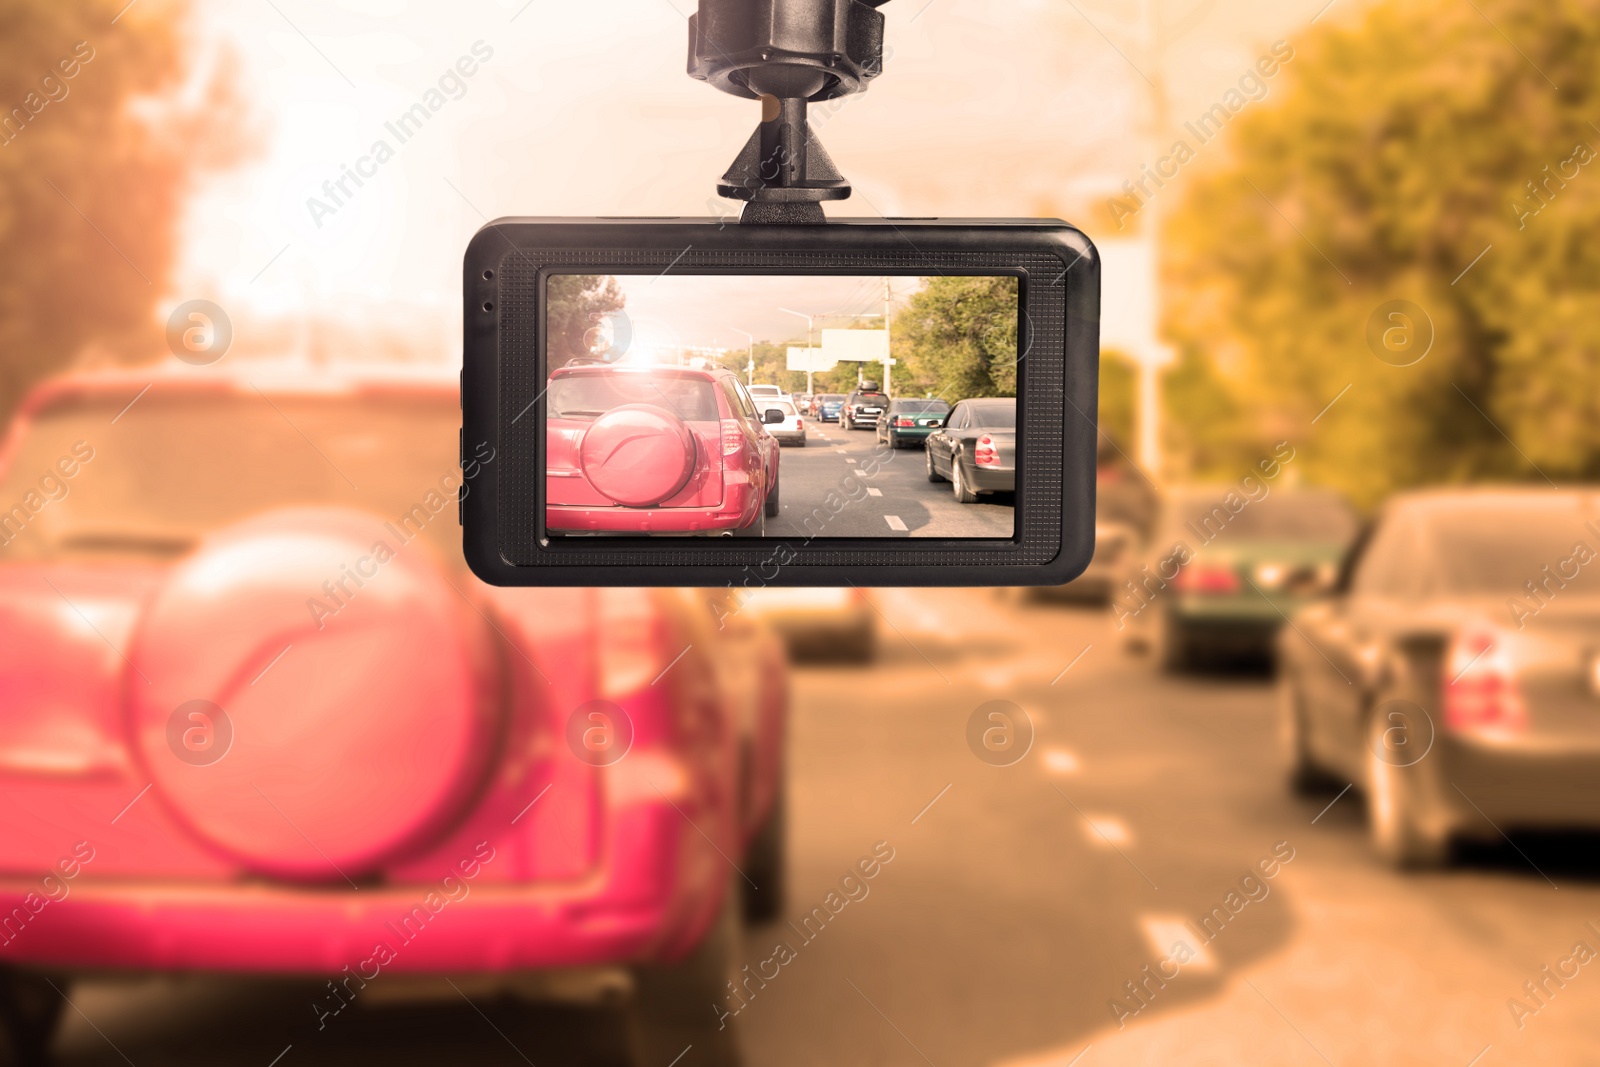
<point>581,318</point>
<point>957,338</point>
<point>1423,154</point>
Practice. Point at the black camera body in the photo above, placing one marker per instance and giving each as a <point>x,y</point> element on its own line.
<point>621,467</point>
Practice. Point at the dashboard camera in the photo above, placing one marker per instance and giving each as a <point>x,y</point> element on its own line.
<point>941,433</point>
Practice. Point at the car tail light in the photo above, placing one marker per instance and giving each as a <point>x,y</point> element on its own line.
<point>628,641</point>
<point>986,454</point>
<point>799,424</point>
<point>1480,685</point>
<point>1207,578</point>
<point>732,436</point>
<point>904,422</point>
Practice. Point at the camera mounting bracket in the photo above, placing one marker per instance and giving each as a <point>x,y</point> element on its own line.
<point>788,54</point>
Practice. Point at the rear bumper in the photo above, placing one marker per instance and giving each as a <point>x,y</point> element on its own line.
<point>739,508</point>
<point>1517,785</point>
<point>1244,623</point>
<point>1250,637</point>
<point>990,479</point>
<point>660,887</point>
<point>826,633</point>
<point>789,437</point>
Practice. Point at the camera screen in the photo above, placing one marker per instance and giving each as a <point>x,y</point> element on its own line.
<point>794,407</point>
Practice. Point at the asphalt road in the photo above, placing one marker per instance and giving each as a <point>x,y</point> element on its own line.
<point>821,497</point>
<point>1022,898</point>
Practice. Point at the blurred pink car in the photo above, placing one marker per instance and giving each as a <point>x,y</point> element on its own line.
<point>259,717</point>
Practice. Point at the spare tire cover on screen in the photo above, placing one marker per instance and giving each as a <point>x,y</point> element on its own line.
<point>638,454</point>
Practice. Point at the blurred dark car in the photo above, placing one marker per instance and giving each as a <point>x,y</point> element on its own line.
<point>1218,583</point>
<point>976,449</point>
<point>1115,544</point>
<point>259,718</point>
<point>909,421</point>
<point>656,449</point>
<point>1125,507</point>
<point>862,407</point>
<point>827,407</point>
<point>1456,674</point>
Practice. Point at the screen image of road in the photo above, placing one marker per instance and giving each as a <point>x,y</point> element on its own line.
<point>800,407</point>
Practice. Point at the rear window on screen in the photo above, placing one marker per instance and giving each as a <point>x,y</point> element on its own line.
<point>802,407</point>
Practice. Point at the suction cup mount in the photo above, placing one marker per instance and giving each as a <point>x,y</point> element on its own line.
<point>788,54</point>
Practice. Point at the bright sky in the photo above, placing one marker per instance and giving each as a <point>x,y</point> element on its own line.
<point>687,311</point>
<point>583,108</point>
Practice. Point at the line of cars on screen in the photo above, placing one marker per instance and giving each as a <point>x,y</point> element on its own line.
<point>675,451</point>
<point>1444,656</point>
<point>971,445</point>
<point>260,719</point>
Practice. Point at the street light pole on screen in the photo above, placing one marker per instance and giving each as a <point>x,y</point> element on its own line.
<point>810,341</point>
<point>888,353</point>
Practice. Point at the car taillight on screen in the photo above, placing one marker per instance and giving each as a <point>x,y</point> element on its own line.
<point>629,645</point>
<point>1213,578</point>
<point>1480,684</point>
<point>732,436</point>
<point>904,422</point>
<point>986,453</point>
<point>799,424</point>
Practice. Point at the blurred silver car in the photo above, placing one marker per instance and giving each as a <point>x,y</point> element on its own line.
<point>1455,674</point>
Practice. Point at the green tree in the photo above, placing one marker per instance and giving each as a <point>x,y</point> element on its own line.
<point>1118,387</point>
<point>98,150</point>
<point>957,338</point>
<point>580,319</point>
<point>1407,146</point>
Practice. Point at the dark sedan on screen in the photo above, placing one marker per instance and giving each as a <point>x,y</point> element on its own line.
<point>908,422</point>
<point>976,449</point>
<point>1455,675</point>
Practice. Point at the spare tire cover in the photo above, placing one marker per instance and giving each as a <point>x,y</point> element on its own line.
<point>638,454</point>
<point>348,696</point>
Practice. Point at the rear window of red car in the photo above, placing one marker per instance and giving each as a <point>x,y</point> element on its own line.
<point>588,396</point>
<point>181,464</point>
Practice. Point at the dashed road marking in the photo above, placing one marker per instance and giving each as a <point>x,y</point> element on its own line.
<point>1166,932</point>
<point>1060,761</point>
<point>1107,831</point>
<point>874,492</point>
<point>895,523</point>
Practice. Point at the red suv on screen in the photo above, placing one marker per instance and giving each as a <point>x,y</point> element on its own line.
<point>656,450</point>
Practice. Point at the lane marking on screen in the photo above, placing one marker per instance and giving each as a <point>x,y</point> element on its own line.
<point>895,523</point>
